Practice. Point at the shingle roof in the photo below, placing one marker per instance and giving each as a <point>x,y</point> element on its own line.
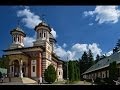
<point>104,62</point>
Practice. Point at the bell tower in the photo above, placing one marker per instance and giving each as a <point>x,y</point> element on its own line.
<point>43,31</point>
<point>17,38</point>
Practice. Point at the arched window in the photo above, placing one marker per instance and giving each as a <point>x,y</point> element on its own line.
<point>40,34</point>
<point>44,34</point>
<point>14,39</point>
<point>18,39</point>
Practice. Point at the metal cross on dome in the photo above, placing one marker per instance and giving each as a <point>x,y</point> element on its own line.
<point>43,17</point>
<point>18,23</point>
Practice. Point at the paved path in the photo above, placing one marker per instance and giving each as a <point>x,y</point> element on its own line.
<point>29,82</point>
<point>82,83</point>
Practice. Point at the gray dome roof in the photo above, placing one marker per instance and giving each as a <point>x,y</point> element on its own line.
<point>52,39</point>
<point>51,36</point>
<point>18,30</point>
<point>43,24</point>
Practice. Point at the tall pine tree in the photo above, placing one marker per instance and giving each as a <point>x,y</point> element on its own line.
<point>97,58</point>
<point>83,63</point>
<point>71,71</point>
<point>118,43</point>
<point>90,59</point>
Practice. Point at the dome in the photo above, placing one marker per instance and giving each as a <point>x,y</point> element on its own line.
<point>51,36</point>
<point>52,39</point>
<point>18,30</point>
<point>43,24</point>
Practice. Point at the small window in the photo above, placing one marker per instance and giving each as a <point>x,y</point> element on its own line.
<point>48,48</point>
<point>33,68</point>
<point>12,69</point>
<point>40,34</point>
<point>59,73</point>
<point>14,39</point>
<point>44,34</point>
<point>18,39</point>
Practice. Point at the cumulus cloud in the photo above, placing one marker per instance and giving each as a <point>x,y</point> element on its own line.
<point>28,41</point>
<point>90,24</point>
<point>64,45</point>
<point>77,50</point>
<point>109,53</point>
<point>105,14</point>
<point>53,32</point>
<point>30,20</point>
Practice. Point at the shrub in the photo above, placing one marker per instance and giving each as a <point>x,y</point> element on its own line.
<point>50,74</point>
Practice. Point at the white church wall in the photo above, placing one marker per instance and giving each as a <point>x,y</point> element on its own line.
<point>33,68</point>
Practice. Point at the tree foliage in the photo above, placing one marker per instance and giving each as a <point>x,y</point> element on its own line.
<point>118,43</point>
<point>50,74</point>
<point>65,70</point>
<point>73,70</point>
<point>4,62</point>
<point>85,62</point>
<point>113,71</point>
<point>90,59</point>
<point>97,58</point>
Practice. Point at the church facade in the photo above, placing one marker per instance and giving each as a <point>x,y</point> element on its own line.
<point>32,61</point>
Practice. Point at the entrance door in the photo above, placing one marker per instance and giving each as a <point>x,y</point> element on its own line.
<point>16,68</point>
<point>24,69</point>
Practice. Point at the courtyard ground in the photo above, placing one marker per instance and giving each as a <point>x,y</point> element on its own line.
<point>27,81</point>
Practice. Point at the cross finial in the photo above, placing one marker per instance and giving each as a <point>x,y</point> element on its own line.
<point>43,17</point>
<point>18,23</point>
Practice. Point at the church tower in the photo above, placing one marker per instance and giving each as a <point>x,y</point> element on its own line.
<point>43,39</point>
<point>17,38</point>
<point>52,41</point>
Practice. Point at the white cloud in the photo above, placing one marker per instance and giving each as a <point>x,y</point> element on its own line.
<point>64,45</point>
<point>109,53</point>
<point>28,41</point>
<point>94,48</point>
<point>90,24</point>
<point>77,50</point>
<point>53,32</point>
<point>60,51</point>
<point>31,20</point>
<point>105,14</point>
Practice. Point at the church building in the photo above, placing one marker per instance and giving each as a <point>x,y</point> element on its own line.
<point>32,61</point>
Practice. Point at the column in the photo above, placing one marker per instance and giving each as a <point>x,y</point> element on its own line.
<point>39,68</point>
<point>13,38</point>
<point>21,73</point>
<point>29,67</point>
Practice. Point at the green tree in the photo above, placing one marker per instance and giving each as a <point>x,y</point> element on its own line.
<point>65,70</point>
<point>118,43</point>
<point>71,71</point>
<point>4,62</point>
<point>83,63</point>
<point>50,74</point>
<point>97,58</point>
<point>113,72</point>
<point>0,75</point>
<point>76,70</point>
<point>90,59</point>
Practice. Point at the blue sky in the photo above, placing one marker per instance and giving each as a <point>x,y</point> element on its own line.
<point>76,28</point>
